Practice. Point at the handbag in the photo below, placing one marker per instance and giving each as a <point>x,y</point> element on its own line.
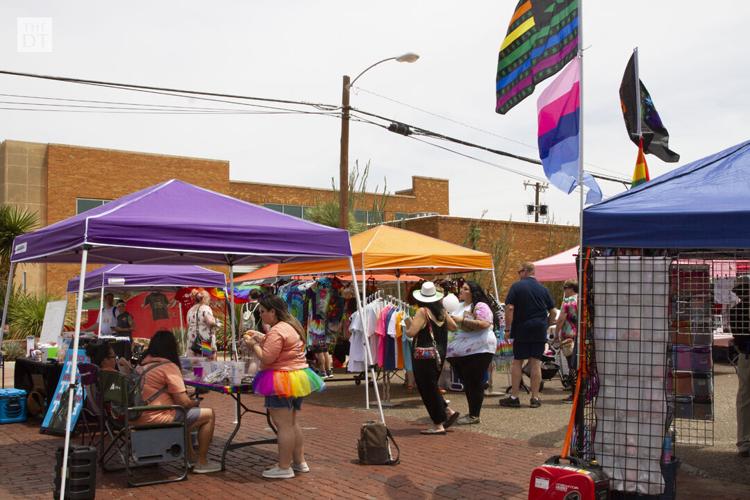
<point>373,445</point>
<point>428,352</point>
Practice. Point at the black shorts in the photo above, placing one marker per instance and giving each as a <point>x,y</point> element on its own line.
<point>526,350</point>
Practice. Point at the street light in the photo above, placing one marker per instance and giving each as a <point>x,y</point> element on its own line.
<point>409,57</point>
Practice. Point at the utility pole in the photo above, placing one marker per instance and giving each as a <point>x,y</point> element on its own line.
<point>344,158</point>
<point>536,208</point>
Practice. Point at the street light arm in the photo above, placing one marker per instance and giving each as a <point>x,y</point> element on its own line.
<point>369,68</point>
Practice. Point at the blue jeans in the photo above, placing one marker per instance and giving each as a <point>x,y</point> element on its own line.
<point>279,402</point>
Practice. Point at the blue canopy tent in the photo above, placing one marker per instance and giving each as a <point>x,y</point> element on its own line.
<point>703,204</point>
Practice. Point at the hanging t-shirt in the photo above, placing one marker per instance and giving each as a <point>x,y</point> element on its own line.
<point>186,300</point>
<point>159,303</point>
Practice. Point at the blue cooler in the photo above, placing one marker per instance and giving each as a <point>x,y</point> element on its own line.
<point>12,406</point>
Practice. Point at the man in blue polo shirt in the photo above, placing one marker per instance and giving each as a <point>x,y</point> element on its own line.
<point>529,310</point>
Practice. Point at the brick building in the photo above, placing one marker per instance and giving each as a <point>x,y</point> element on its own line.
<point>58,181</point>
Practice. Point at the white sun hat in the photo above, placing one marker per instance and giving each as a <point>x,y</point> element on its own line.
<point>428,293</point>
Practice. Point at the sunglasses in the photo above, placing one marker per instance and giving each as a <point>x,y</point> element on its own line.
<point>520,271</point>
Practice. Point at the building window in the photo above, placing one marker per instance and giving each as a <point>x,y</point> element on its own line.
<point>293,210</point>
<point>84,204</point>
<point>368,217</point>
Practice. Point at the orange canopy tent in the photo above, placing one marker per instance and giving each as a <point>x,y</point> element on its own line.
<point>271,271</point>
<point>386,248</point>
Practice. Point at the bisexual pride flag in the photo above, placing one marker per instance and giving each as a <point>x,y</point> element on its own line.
<point>559,119</point>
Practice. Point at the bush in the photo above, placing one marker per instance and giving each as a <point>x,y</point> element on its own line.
<point>13,349</point>
<point>26,314</point>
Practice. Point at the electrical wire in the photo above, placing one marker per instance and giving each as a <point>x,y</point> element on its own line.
<point>469,126</point>
<point>427,133</point>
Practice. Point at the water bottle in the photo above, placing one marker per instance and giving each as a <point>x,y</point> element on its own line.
<point>668,447</point>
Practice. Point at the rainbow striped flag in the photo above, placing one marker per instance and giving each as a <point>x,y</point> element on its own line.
<point>640,174</point>
<point>542,38</point>
<point>558,133</point>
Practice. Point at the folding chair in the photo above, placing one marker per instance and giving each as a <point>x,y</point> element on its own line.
<point>133,446</point>
<point>90,421</point>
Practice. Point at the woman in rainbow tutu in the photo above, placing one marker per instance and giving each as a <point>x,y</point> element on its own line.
<point>285,379</point>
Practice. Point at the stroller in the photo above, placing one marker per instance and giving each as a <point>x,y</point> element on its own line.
<point>554,365</point>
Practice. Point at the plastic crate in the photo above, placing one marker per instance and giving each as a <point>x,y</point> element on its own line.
<point>12,406</point>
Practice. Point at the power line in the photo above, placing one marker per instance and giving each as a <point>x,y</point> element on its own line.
<point>162,89</point>
<point>436,135</point>
<point>468,125</point>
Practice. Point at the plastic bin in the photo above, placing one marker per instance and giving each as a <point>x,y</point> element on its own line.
<point>702,385</point>
<point>683,383</point>
<point>12,406</point>
<point>702,359</point>
<point>702,409</point>
<point>682,357</point>
<point>683,407</point>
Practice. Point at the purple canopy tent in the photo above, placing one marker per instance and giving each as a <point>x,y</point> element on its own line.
<point>175,223</point>
<point>146,276</point>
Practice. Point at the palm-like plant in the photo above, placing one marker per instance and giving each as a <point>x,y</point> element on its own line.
<point>14,222</point>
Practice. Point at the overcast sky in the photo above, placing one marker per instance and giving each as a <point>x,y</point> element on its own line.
<point>692,59</point>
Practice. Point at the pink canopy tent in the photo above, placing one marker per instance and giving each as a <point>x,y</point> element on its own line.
<point>559,267</point>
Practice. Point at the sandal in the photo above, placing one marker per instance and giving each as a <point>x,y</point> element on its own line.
<point>451,420</point>
<point>433,432</point>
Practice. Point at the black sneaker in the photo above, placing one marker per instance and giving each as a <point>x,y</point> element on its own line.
<point>569,399</point>
<point>510,402</point>
<point>535,403</point>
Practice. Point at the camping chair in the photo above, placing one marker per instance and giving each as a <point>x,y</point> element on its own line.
<point>90,422</point>
<point>134,446</point>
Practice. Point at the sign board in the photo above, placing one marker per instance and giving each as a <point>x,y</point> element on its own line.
<point>54,320</point>
<point>57,411</point>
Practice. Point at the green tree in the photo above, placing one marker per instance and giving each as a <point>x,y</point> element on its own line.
<point>14,222</point>
<point>327,212</point>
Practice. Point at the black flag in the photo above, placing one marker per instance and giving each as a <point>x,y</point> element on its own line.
<point>655,135</point>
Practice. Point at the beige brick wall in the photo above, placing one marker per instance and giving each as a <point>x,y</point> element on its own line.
<point>23,183</point>
<point>425,195</point>
<point>516,242</point>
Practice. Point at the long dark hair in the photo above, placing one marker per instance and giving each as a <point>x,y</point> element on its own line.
<point>164,345</point>
<point>98,351</point>
<point>436,308</point>
<point>478,295</point>
<point>276,303</point>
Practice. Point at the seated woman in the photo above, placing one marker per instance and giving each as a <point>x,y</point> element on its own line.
<point>163,382</point>
<point>103,355</point>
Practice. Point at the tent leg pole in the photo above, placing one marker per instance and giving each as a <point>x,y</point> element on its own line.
<point>101,305</point>
<point>182,329</point>
<point>368,354</point>
<point>231,311</point>
<point>367,343</point>
<point>8,291</point>
<point>73,370</point>
<point>494,285</point>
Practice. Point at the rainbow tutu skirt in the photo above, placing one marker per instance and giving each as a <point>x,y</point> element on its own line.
<point>287,384</point>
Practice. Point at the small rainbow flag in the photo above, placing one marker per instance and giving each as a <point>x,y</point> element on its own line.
<point>640,174</point>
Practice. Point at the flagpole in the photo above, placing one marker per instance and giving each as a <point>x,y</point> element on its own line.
<point>638,129</point>
<point>580,207</point>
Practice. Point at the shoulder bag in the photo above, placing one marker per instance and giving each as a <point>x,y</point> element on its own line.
<point>428,352</point>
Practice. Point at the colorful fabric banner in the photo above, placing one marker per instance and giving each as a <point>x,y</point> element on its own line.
<point>542,38</point>
<point>655,135</point>
<point>559,112</point>
<point>640,174</point>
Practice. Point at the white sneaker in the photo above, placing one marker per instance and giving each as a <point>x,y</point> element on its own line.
<point>303,467</point>
<point>277,473</point>
<point>207,468</point>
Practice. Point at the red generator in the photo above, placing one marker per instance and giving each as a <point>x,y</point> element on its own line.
<point>571,481</point>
